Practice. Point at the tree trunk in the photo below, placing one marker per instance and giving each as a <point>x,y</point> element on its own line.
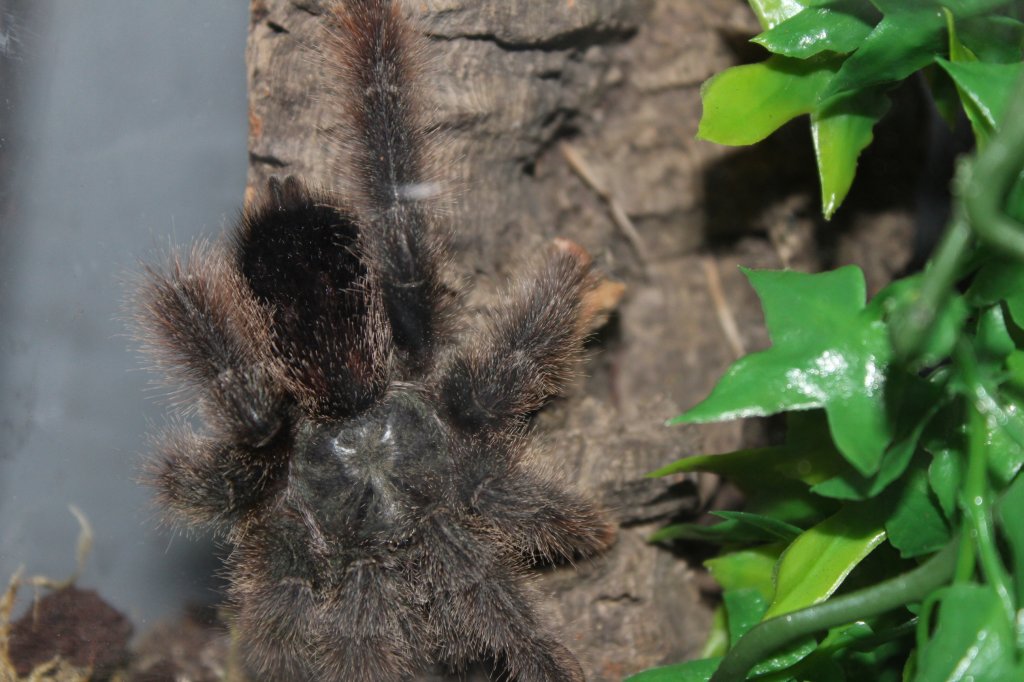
<point>576,118</point>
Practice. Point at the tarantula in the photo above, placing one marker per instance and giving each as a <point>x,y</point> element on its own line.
<point>368,465</point>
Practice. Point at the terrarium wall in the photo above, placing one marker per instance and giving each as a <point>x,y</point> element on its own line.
<point>560,118</point>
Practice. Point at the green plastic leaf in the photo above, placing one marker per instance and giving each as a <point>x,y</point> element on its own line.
<point>972,641</point>
<point>838,26</point>
<point>1006,443</point>
<point>771,13</point>
<point>850,484</point>
<point>827,351</point>
<point>817,562</point>
<point>809,456</point>
<point>945,475</point>
<point>744,609</point>
<point>905,40</point>
<point>1015,200</point>
<point>748,568</point>
<point>984,88</point>
<point>727,532</point>
<point>1010,512</point>
<point>942,334</point>
<point>840,133</point>
<point>785,659</point>
<point>916,525</point>
<point>765,524</point>
<point>717,642</point>
<point>745,104</point>
<point>736,465</point>
<point>691,671</point>
<point>994,38</point>
<point>792,503</point>
<point>992,342</point>
<point>999,280</point>
<point>1015,367</point>
<point>912,404</point>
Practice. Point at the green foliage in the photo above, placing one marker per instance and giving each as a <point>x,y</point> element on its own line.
<point>884,539</point>
<point>835,60</point>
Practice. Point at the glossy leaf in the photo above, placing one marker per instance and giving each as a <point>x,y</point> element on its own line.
<point>838,26</point>
<point>826,352</point>
<point>945,475</point>
<point>996,39</point>
<point>744,609</point>
<point>984,88</point>
<point>916,525</point>
<point>1006,443</point>
<point>972,641</point>
<point>999,280</point>
<point>791,502</point>
<point>993,343</point>
<point>785,659</point>
<point>817,562</point>
<point>912,404</point>
<point>905,40</point>
<point>765,524</point>
<point>809,456</point>
<point>748,568</point>
<point>691,671</point>
<point>1015,367</point>
<point>1010,512</point>
<point>717,643</point>
<point>731,464</point>
<point>726,532</point>
<point>771,13</point>
<point>745,104</point>
<point>840,133</point>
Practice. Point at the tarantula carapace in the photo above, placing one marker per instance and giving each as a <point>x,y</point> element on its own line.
<point>368,464</point>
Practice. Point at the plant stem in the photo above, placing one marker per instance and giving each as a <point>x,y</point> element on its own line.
<point>776,633</point>
<point>992,177</point>
<point>984,415</point>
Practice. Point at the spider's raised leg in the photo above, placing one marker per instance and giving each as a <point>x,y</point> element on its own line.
<point>208,481</point>
<point>481,606</point>
<point>372,47</point>
<point>200,323</point>
<point>528,350</point>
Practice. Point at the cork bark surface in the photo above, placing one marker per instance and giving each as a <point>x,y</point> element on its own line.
<point>576,119</point>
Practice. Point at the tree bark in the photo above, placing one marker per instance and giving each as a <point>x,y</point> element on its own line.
<point>512,82</point>
<point>576,118</point>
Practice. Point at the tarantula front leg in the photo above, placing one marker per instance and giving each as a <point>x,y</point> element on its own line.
<point>200,323</point>
<point>527,351</point>
<point>481,606</point>
<point>207,481</point>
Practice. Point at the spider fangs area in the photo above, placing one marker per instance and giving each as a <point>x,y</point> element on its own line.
<point>354,475</point>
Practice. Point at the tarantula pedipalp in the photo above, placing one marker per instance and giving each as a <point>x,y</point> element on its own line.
<point>369,468</point>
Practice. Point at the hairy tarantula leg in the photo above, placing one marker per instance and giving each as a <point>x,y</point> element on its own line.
<point>206,481</point>
<point>299,622</point>
<point>529,348</point>
<point>482,606</point>
<point>370,633</point>
<point>273,626</point>
<point>539,515</point>
<point>373,50</point>
<point>298,251</point>
<point>200,323</point>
